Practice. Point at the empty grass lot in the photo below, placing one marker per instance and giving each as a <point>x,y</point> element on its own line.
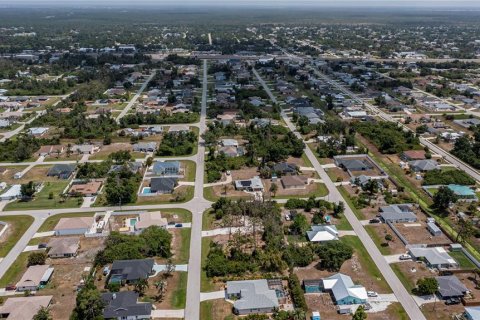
<point>15,271</point>
<point>42,201</point>
<point>179,296</point>
<point>17,225</point>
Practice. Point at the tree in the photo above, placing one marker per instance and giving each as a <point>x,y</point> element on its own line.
<point>333,254</point>
<point>169,268</point>
<point>273,189</point>
<point>37,258</point>
<point>149,162</point>
<point>426,286</point>
<point>360,314</point>
<point>338,209</point>
<point>89,305</point>
<point>443,198</point>
<point>300,224</point>
<point>465,231</point>
<point>140,286</point>
<point>42,314</point>
<point>161,286</point>
<point>27,190</point>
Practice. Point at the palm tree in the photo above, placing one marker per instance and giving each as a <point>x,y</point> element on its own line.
<point>161,289</point>
<point>141,286</point>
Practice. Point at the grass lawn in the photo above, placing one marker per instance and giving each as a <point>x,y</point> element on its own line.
<point>346,196</point>
<point>366,261</point>
<point>378,241</point>
<point>209,195</point>
<point>42,201</point>
<point>190,170</point>
<point>52,221</point>
<point>396,311</point>
<point>179,296</point>
<point>462,259</point>
<point>404,279</point>
<point>206,285</point>
<point>307,161</point>
<point>17,225</point>
<point>320,191</point>
<point>208,220</point>
<point>166,198</point>
<point>15,271</point>
<point>183,214</point>
<point>343,224</point>
<point>184,251</point>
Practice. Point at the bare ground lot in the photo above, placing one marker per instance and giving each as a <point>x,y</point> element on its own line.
<point>378,233</point>
<point>420,234</point>
<point>8,175</point>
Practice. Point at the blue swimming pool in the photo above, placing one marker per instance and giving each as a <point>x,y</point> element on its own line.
<point>146,190</point>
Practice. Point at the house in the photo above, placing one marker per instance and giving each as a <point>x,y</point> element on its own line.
<point>145,147</point>
<point>87,189</point>
<point>37,131</point>
<point>50,149</point>
<point>64,247</point>
<point>4,123</point>
<point>251,296</point>
<point>463,192</point>
<point>61,171</point>
<point>34,277</point>
<point>73,226</point>
<point>434,229</point>
<point>423,165</point>
<point>147,219</point>
<point>166,168</point>
<point>411,155</point>
<point>435,257</point>
<point>253,185</point>
<point>132,166</point>
<point>285,168</point>
<point>472,313</point>
<point>163,185</point>
<point>353,164</point>
<point>229,143</point>
<point>344,291</point>
<point>398,213</point>
<point>231,151</point>
<point>125,305</point>
<point>130,271</point>
<point>361,181</point>
<point>450,287</point>
<point>320,233</point>
<point>85,148</point>
<point>294,182</point>
<point>23,308</point>
<point>12,193</point>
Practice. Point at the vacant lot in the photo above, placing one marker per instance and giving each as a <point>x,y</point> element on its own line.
<point>16,227</point>
<point>378,232</point>
<point>417,233</point>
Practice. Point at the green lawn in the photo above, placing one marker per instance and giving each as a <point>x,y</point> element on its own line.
<point>17,225</point>
<point>378,240</point>
<point>209,195</point>
<point>320,191</point>
<point>183,214</point>
<point>52,221</point>
<point>343,224</point>
<point>166,198</point>
<point>206,284</point>
<point>208,220</point>
<point>404,279</point>
<point>462,259</point>
<point>366,261</point>
<point>179,296</point>
<point>206,310</point>
<point>42,201</point>
<point>15,271</point>
<point>346,196</point>
<point>190,170</point>
<point>184,251</point>
<point>307,161</point>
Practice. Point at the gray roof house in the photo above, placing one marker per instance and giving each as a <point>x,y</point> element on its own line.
<point>166,168</point>
<point>254,184</point>
<point>423,165</point>
<point>251,296</point>
<point>125,271</point>
<point>320,233</point>
<point>344,291</point>
<point>285,168</point>
<point>396,213</point>
<point>145,147</point>
<point>354,164</point>
<point>435,257</point>
<point>450,287</point>
<point>163,185</point>
<point>61,171</point>
<point>125,305</point>
<point>132,166</point>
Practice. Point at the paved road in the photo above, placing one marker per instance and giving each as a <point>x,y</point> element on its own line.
<point>135,97</point>
<point>192,308</point>
<point>9,134</point>
<point>399,290</point>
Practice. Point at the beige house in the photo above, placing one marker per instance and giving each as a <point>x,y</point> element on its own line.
<point>23,308</point>
<point>34,277</point>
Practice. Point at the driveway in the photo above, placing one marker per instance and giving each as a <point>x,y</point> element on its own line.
<point>204,296</point>
<point>168,314</point>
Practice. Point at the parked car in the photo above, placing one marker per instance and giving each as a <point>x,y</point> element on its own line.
<point>372,294</point>
<point>171,223</point>
<point>405,257</point>
<point>452,301</point>
<point>178,225</point>
<point>42,245</point>
<point>374,221</point>
<point>106,271</point>
<point>11,287</point>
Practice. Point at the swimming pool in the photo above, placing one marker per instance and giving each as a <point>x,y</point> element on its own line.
<point>146,190</point>
<point>133,221</point>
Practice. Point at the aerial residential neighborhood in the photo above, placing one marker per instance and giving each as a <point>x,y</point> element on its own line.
<point>257,161</point>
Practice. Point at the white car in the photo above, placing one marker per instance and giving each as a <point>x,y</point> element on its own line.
<point>405,257</point>
<point>372,294</point>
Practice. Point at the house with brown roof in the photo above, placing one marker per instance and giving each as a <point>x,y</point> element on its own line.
<point>50,149</point>
<point>34,277</point>
<point>411,155</point>
<point>73,226</point>
<point>63,247</point>
<point>23,308</point>
<point>294,182</point>
<point>87,189</point>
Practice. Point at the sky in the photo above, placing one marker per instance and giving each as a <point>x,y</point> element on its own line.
<point>460,4</point>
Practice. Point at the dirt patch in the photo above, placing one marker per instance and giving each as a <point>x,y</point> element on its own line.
<point>395,246</point>
<point>417,233</point>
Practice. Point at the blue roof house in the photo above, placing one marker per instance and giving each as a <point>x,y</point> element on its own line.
<point>463,192</point>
